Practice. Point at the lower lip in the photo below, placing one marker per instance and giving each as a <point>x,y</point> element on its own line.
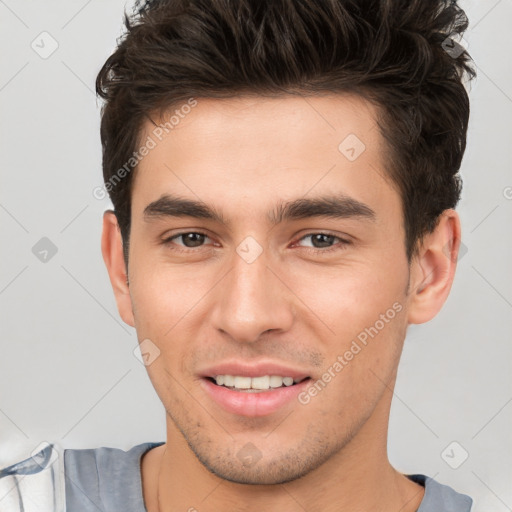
<point>261,403</point>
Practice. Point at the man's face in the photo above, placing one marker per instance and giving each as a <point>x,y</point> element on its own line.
<point>268,291</point>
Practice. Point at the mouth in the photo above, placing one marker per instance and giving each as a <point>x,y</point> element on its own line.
<point>256,396</point>
<point>258,384</point>
<point>253,388</point>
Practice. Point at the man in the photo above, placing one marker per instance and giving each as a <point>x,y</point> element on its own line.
<point>283,175</point>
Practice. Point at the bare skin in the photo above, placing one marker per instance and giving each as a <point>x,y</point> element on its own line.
<point>296,304</point>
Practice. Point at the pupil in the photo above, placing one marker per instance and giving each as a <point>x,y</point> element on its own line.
<point>322,238</point>
<point>193,239</point>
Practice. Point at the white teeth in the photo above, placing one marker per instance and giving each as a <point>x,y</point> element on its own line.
<point>243,382</point>
<point>275,381</point>
<point>229,380</point>
<point>263,382</point>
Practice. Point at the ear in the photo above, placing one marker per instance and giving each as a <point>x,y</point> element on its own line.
<point>112,250</point>
<point>433,269</point>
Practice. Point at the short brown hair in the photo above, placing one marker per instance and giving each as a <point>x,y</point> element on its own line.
<point>395,53</point>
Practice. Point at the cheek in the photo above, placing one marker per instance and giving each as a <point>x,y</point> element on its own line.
<point>169,307</point>
<point>161,301</point>
<point>359,366</point>
<point>360,309</point>
<point>162,295</point>
<point>350,298</point>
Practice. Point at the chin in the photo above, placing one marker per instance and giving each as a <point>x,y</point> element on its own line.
<point>250,467</point>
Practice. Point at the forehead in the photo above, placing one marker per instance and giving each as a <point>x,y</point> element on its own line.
<point>286,122</point>
<point>251,150</point>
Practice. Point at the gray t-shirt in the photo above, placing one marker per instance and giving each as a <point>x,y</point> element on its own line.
<point>109,480</point>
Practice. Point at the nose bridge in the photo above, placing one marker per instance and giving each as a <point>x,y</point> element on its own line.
<point>252,300</point>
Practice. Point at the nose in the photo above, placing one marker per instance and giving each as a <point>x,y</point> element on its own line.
<point>252,299</point>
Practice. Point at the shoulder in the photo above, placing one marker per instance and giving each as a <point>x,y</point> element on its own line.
<point>441,498</point>
<point>105,478</point>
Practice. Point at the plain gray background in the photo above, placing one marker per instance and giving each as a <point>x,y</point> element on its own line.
<point>68,373</point>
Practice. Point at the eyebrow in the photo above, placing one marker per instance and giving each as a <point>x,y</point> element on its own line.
<point>332,206</point>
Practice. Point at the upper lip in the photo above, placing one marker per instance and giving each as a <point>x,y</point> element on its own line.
<point>255,369</point>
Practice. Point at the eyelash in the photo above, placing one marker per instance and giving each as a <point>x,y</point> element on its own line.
<point>341,245</point>
<point>168,241</point>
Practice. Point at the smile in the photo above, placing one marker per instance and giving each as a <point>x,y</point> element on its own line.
<point>254,396</point>
<point>255,384</point>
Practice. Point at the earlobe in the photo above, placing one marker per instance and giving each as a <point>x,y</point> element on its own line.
<point>112,250</point>
<point>433,269</point>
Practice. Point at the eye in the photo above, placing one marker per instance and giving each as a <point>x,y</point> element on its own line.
<point>189,239</point>
<point>323,242</point>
